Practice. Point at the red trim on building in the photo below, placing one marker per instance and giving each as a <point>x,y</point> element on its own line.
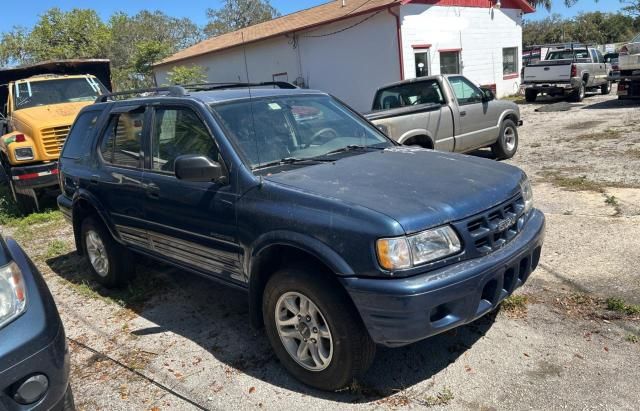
<point>510,76</point>
<point>523,5</point>
<point>448,50</point>
<point>421,46</point>
<point>400,53</point>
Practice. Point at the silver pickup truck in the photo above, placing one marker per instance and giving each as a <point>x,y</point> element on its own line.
<point>567,71</point>
<point>446,113</point>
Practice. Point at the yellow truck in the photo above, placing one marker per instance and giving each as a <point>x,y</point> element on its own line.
<point>41,102</point>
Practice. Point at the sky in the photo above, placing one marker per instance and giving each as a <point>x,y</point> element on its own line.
<point>25,13</point>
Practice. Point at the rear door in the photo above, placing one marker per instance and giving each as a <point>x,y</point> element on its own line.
<point>477,119</point>
<point>192,223</point>
<point>117,179</point>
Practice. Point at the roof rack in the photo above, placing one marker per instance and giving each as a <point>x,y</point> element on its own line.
<point>171,91</point>
<point>566,45</point>
<point>230,85</point>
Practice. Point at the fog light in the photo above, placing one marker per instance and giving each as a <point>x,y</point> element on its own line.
<point>32,389</point>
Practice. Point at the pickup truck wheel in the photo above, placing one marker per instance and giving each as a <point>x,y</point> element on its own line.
<point>110,263</point>
<point>530,96</point>
<point>314,330</point>
<point>605,88</point>
<point>507,143</point>
<point>578,95</point>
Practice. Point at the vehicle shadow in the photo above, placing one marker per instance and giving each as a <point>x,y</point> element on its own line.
<point>614,103</point>
<point>217,319</point>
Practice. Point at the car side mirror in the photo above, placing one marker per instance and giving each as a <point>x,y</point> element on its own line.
<point>199,169</point>
<point>487,94</point>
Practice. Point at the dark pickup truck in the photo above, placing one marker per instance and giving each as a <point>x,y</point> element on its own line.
<point>341,238</point>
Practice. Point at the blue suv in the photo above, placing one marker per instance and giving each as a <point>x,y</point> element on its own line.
<point>341,238</point>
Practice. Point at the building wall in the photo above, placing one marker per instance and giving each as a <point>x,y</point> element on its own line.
<point>480,33</point>
<point>349,64</point>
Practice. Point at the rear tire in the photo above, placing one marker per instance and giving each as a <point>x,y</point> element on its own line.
<point>605,88</point>
<point>111,264</point>
<point>340,335</point>
<point>530,96</point>
<point>25,203</point>
<point>578,95</point>
<point>507,144</point>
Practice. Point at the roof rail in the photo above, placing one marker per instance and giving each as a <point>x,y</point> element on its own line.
<point>171,91</point>
<point>230,85</point>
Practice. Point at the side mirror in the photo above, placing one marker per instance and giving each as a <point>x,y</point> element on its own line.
<point>199,169</point>
<point>487,94</point>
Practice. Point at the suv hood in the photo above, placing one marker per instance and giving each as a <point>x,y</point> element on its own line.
<point>418,188</point>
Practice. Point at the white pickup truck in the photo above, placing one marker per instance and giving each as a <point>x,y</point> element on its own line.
<point>567,71</point>
<point>629,64</point>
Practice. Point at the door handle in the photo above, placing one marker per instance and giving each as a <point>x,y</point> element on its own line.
<point>94,180</point>
<point>463,113</point>
<point>153,191</point>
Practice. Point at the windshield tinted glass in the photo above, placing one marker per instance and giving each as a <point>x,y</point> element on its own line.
<point>66,90</point>
<point>410,94</point>
<point>567,54</point>
<point>300,127</point>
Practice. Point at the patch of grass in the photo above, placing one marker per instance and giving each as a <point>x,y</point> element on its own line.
<point>55,249</point>
<point>516,98</point>
<point>608,134</point>
<point>581,183</point>
<point>632,338</point>
<point>536,145</point>
<point>515,303</point>
<point>621,306</point>
<point>444,397</point>
<point>634,153</point>
<point>611,200</point>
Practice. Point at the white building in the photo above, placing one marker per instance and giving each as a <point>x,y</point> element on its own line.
<point>351,47</point>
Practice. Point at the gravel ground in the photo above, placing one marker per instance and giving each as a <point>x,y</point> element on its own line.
<point>174,341</point>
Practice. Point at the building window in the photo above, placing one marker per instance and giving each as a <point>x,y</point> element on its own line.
<point>450,62</point>
<point>510,61</point>
<point>422,63</point>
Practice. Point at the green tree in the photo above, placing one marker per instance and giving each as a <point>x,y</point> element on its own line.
<point>186,75</point>
<point>238,14</point>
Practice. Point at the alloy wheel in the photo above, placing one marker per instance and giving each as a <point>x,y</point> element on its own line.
<point>97,253</point>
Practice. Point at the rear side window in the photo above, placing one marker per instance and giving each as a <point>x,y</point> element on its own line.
<point>122,141</point>
<point>79,140</point>
<point>410,94</point>
<point>178,132</point>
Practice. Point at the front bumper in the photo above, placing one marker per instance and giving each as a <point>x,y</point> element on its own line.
<point>33,343</point>
<point>401,311</point>
<point>35,176</point>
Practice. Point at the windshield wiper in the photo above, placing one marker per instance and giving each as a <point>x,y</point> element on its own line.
<point>289,160</point>
<point>353,147</point>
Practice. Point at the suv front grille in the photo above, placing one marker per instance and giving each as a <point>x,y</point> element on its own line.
<point>53,138</point>
<point>494,228</point>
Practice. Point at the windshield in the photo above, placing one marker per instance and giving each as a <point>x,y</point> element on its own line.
<point>65,90</point>
<point>295,128</point>
<point>410,94</point>
<point>567,54</point>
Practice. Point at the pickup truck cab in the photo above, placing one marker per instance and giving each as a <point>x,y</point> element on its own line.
<point>629,66</point>
<point>341,238</point>
<point>446,113</point>
<point>567,71</point>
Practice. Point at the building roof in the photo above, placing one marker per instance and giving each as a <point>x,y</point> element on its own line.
<point>316,16</point>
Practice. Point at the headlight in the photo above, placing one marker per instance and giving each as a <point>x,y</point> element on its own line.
<point>24,153</point>
<point>527,194</point>
<point>406,252</point>
<point>13,298</point>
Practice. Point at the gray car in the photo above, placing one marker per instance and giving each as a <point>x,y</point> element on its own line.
<point>446,113</point>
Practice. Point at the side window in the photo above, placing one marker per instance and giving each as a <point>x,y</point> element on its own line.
<point>600,56</point>
<point>594,56</point>
<point>121,143</point>
<point>465,91</point>
<point>177,132</point>
<point>78,142</point>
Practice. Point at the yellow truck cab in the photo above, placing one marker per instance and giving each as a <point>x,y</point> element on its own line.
<point>41,103</point>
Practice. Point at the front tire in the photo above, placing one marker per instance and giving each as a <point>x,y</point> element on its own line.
<point>110,263</point>
<point>530,96</point>
<point>507,144</point>
<point>314,329</point>
<point>68,402</point>
<point>26,204</point>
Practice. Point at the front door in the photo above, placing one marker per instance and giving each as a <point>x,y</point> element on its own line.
<point>477,121</point>
<point>192,223</point>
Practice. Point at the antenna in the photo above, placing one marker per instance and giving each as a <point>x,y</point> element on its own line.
<point>253,120</point>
